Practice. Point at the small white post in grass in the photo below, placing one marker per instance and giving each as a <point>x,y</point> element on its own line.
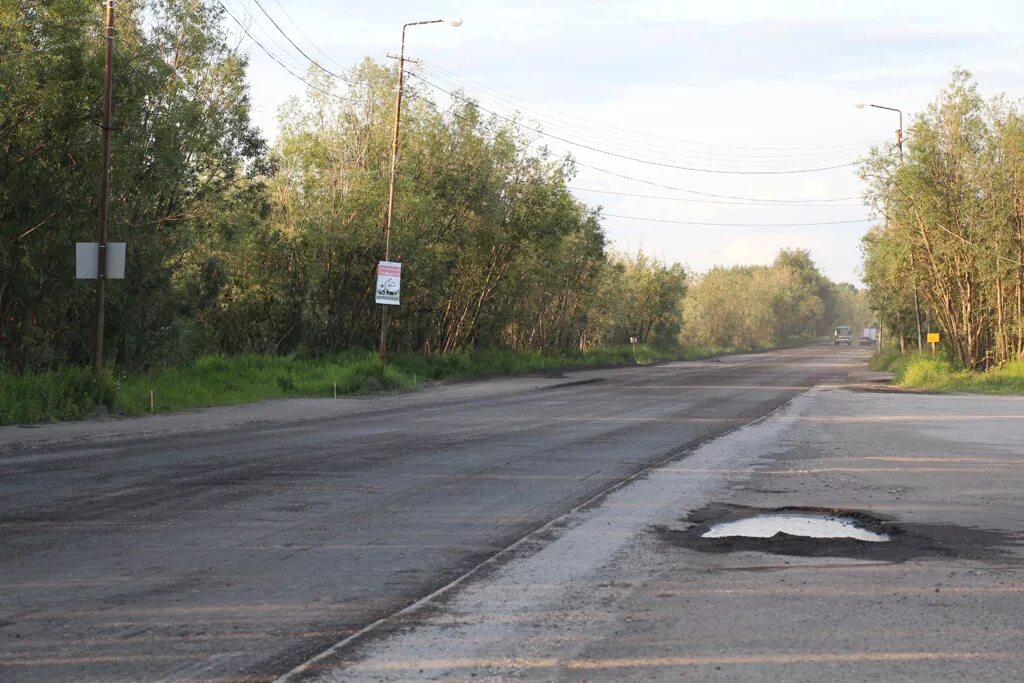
<point>152,404</point>
<point>335,390</point>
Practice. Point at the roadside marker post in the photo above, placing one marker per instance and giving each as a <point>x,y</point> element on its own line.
<point>933,339</point>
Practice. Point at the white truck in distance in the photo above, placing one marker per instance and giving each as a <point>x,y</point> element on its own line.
<point>869,336</point>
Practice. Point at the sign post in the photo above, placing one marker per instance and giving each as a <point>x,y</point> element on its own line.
<point>933,339</point>
<point>389,291</point>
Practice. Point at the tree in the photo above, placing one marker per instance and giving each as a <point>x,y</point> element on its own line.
<point>184,174</point>
<point>954,224</point>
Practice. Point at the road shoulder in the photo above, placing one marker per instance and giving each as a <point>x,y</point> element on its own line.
<point>291,410</point>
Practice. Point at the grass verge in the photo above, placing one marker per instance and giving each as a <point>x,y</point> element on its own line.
<point>70,394</point>
<point>921,371</point>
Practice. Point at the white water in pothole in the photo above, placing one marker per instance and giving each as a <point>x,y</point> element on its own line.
<point>808,525</point>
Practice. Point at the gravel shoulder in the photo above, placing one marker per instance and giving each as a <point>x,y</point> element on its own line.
<point>283,411</point>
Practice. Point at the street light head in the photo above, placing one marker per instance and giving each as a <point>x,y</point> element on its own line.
<point>456,22</point>
<point>860,106</point>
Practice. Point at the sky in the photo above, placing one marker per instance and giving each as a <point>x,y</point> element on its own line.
<point>726,89</point>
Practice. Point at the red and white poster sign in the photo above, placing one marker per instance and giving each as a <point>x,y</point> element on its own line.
<point>389,282</point>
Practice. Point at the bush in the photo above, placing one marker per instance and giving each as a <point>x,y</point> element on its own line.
<point>886,359</point>
<point>66,394</point>
<point>927,373</point>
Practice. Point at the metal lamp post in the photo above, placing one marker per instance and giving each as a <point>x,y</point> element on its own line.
<point>394,166</point>
<point>899,146</point>
<point>899,131</point>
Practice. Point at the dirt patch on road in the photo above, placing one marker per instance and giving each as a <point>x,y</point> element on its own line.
<point>906,541</point>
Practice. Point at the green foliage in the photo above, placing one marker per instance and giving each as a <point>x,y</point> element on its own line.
<point>886,359</point>
<point>71,393</point>
<point>496,251</point>
<point>925,373</point>
<point>944,373</point>
<point>65,394</point>
<point>763,306</point>
<point>919,371</point>
<point>183,175</point>
<point>955,233</point>
<point>250,273</point>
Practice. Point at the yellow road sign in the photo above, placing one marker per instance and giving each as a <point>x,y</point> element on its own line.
<point>933,337</point>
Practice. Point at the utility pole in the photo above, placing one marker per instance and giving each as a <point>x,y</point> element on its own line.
<point>101,267</point>
<point>913,267</point>
<point>913,264</point>
<point>394,165</point>
<point>391,190</point>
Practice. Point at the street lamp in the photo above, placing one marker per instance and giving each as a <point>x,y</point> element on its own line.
<point>899,144</point>
<point>394,165</point>
<point>899,131</point>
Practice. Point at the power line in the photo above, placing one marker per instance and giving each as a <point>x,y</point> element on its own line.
<point>249,18</point>
<point>514,121</point>
<point>654,150</point>
<point>625,156</point>
<point>304,35</point>
<point>293,43</point>
<point>752,201</point>
<point>706,201</point>
<point>641,133</point>
<point>710,194</point>
<point>747,200</point>
<point>737,225</point>
<point>274,57</point>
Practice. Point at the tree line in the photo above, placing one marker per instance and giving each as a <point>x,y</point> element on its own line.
<point>951,246</point>
<point>235,246</point>
<point>760,306</point>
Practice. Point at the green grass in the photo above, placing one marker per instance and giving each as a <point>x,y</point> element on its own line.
<point>921,371</point>
<point>70,393</point>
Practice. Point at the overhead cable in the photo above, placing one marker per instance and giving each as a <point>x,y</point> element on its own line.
<point>706,201</point>
<point>275,57</point>
<point>660,151</point>
<point>295,45</point>
<point>737,225</point>
<point>647,134</point>
<point>710,194</point>
<point>625,156</point>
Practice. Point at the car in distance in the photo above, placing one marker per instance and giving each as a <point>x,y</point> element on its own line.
<point>843,335</point>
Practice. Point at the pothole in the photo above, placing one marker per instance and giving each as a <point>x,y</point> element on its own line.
<point>827,532</point>
<point>810,525</point>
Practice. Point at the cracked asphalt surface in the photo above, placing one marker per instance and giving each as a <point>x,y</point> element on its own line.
<point>218,547</point>
<point>626,590</point>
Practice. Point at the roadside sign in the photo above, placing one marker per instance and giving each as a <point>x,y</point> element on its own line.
<point>389,283</point>
<point>933,337</point>
<point>87,256</point>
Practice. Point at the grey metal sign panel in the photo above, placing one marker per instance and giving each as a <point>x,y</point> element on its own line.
<point>87,260</point>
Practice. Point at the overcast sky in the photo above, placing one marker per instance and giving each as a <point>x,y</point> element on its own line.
<point>723,85</point>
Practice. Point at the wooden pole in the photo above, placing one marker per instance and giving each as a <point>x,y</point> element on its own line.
<point>101,267</point>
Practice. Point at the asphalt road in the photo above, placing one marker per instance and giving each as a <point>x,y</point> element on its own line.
<point>630,588</point>
<point>239,552</point>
